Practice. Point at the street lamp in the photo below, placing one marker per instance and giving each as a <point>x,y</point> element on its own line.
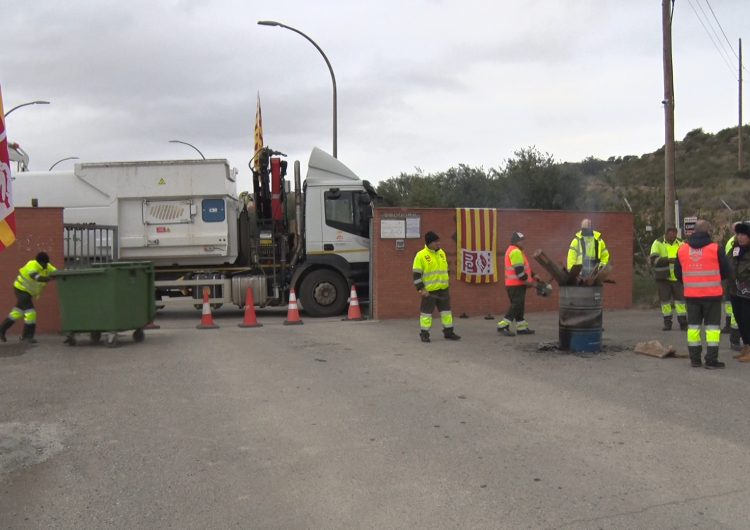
<point>191,145</point>
<point>62,160</point>
<point>25,104</point>
<point>330,69</point>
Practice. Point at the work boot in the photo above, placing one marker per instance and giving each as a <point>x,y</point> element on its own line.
<point>450,335</point>
<point>505,330</point>
<point>727,326</point>
<point>695,356</point>
<point>424,336</point>
<point>734,341</point>
<point>713,365</point>
<point>683,323</point>
<point>28,333</point>
<point>667,324</point>
<point>745,352</point>
<point>525,331</point>
<point>5,326</point>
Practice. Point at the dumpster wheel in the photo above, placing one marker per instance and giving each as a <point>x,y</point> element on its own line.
<point>138,335</point>
<point>111,340</point>
<point>96,337</point>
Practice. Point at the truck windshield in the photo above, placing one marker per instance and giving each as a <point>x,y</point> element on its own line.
<point>345,212</point>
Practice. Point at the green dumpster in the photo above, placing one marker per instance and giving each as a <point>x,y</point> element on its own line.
<point>107,298</point>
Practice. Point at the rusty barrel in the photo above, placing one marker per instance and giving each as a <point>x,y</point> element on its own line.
<point>581,319</point>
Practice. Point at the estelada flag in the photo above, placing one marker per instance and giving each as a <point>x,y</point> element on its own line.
<point>7,211</point>
<point>476,244</point>
<point>258,135</point>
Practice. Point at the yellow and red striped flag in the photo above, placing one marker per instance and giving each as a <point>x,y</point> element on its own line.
<point>7,210</point>
<point>258,135</point>
<point>476,245</point>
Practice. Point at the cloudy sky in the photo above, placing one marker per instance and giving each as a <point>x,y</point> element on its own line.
<point>421,83</point>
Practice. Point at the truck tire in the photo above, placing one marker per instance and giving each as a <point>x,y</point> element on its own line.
<point>323,293</point>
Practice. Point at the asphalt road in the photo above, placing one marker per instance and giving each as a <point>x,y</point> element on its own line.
<point>343,425</point>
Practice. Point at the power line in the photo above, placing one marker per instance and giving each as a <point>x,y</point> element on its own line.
<point>711,38</point>
<point>725,35</point>
<point>713,30</point>
<point>722,29</point>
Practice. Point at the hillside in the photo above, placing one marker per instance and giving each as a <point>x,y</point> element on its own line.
<point>705,173</point>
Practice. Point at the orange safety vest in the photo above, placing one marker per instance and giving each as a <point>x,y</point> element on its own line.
<point>701,272</point>
<point>511,278</point>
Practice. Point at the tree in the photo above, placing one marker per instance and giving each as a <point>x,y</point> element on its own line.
<point>533,180</point>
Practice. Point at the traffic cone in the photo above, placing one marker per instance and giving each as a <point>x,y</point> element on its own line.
<point>354,312</point>
<point>250,321</point>
<point>207,320</point>
<point>292,315</point>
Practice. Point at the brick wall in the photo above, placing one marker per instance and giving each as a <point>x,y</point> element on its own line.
<point>394,295</point>
<point>37,229</point>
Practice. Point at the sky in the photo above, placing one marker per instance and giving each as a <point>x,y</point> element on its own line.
<point>425,84</point>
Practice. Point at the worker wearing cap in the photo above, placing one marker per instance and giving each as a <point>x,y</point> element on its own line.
<point>518,278</point>
<point>430,270</point>
<point>663,257</point>
<point>588,250</point>
<point>31,280</point>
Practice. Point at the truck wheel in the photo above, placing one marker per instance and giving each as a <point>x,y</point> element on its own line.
<point>323,293</point>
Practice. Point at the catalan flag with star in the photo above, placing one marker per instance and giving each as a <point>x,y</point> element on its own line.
<point>476,245</point>
<point>7,211</point>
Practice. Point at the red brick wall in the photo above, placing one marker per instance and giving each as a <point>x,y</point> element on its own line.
<point>37,229</point>
<point>394,295</point>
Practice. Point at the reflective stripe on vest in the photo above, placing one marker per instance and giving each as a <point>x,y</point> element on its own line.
<point>511,278</point>
<point>700,271</point>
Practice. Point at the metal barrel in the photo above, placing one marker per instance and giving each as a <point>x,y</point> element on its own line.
<point>581,319</point>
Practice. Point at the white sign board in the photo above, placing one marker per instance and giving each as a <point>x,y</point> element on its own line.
<point>392,229</point>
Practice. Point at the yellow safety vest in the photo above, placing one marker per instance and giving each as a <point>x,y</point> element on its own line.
<point>26,280</point>
<point>593,246</point>
<point>663,249</point>
<point>433,266</point>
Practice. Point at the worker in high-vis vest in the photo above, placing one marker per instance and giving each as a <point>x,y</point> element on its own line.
<point>518,276</point>
<point>663,257</point>
<point>588,250</point>
<point>29,284</point>
<point>430,271</point>
<point>701,266</point>
<point>731,325</point>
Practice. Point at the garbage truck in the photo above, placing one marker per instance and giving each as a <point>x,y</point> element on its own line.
<point>187,217</point>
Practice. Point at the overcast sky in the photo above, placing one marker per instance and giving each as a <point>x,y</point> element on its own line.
<point>421,83</point>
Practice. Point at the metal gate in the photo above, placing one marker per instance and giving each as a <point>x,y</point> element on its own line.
<point>85,244</point>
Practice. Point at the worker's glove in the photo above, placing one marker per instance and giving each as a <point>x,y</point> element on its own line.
<point>543,289</point>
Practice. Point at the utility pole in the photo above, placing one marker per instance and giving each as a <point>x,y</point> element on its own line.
<point>739,128</point>
<point>667,6</point>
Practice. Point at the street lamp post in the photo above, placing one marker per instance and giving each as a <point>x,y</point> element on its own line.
<point>40,102</point>
<point>191,145</point>
<point>62,160</point>
<point>330,69</point>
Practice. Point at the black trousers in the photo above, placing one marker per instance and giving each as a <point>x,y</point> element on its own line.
<point>706,313</point>
<point>741,310</point>
<point>517,297</point>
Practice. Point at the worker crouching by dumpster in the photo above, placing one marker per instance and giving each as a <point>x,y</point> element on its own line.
<point>31,280</point>
<point>430,270</point>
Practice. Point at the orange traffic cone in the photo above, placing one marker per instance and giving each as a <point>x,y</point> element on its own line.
<point>354,312</point>
<point>292,316</point>
<point>207,320</point>
<point>250,321</point>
